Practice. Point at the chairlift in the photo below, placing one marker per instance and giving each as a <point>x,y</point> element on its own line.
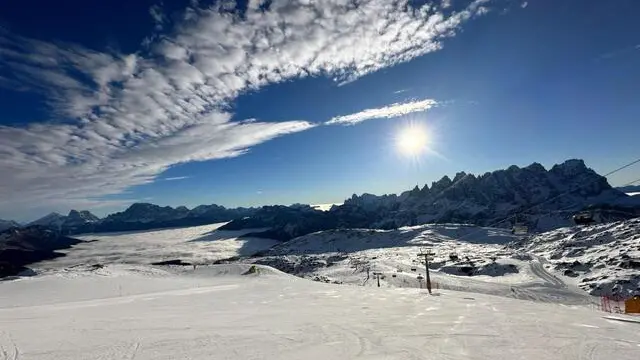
<point>519,227</point>
<point>583,218</point>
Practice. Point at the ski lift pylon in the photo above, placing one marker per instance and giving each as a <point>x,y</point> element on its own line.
<point>519,227</point>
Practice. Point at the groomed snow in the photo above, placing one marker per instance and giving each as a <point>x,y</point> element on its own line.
<point>140,312</point>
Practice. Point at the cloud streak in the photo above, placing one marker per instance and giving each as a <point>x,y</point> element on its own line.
<point>177,178</point>
<point>390,111</point>
<point>120,120</point>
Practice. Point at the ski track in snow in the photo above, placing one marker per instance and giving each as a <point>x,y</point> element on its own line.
<point>10,350</point>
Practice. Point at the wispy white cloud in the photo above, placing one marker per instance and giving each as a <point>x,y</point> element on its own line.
<point>177,178</point>
<point>446,4</point>
<point>390,111</point>
<point>400,91</point>
<point>524,4</point>
<point>122,119</point>
<point>158,16</point>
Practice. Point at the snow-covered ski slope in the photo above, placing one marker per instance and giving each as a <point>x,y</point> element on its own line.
<point>603,259</point>
<point>198,244</point>
<point>148,313</point>
<point>465,258</point>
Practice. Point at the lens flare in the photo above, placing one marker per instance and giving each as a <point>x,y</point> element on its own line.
<point>412,140</point>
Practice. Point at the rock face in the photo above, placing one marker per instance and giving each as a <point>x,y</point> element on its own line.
<point>286,222</point>
<point>545,200</point>
<point>144,216</point>
<point>23,246</point>
<point>74,220</point>
<point>52,220</point>
<point>7,224</point>
<point>140,216</point>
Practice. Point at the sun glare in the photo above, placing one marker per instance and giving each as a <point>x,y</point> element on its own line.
<point>412,140</point>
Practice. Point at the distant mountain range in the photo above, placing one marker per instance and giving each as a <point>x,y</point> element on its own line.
<point>75,219</point>
<point>544,200</point>
<point>140,216</point>
<point>23,246</point>
<point>630,189</point>
<point>532,191</point>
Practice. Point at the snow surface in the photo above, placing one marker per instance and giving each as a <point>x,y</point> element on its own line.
<point>466,258</point>
<point>198,245</point>
<point>140,312</point>
<point>603,259</point>
<point>325,207</point>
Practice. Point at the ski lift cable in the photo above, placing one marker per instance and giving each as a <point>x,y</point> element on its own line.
<point>631,182</point>
<point>623,185</point>
<point>571,206</point>
<point>555,197</point>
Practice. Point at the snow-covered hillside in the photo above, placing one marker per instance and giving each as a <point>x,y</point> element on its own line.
<point>466,258</point>
<point>198,245</point>
<point>147,313</point>
<point>603,259</point>
<point>471,258</point>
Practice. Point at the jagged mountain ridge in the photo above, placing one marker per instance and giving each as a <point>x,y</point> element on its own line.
<point>73,220</point>
<point>466,198</point>
<point>145,216</point>
<point>545,199</point>
<point>492,196</point>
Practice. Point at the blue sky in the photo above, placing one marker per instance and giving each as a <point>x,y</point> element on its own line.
<point>184,103</point>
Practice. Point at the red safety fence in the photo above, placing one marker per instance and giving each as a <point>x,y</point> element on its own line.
<point>620,304</point>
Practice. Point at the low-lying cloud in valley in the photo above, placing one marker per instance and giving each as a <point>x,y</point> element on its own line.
<point>120,120</point>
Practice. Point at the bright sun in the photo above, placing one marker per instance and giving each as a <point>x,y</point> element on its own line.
<point>412,140</point>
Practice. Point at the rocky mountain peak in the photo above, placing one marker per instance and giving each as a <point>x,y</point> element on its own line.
<point>459,176</point>
<point>536,167</point>
<point>441,184</point>
<point>571,167</point>
<point>83,215</point>
<point>53,219</point>
<point>494,196</point>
